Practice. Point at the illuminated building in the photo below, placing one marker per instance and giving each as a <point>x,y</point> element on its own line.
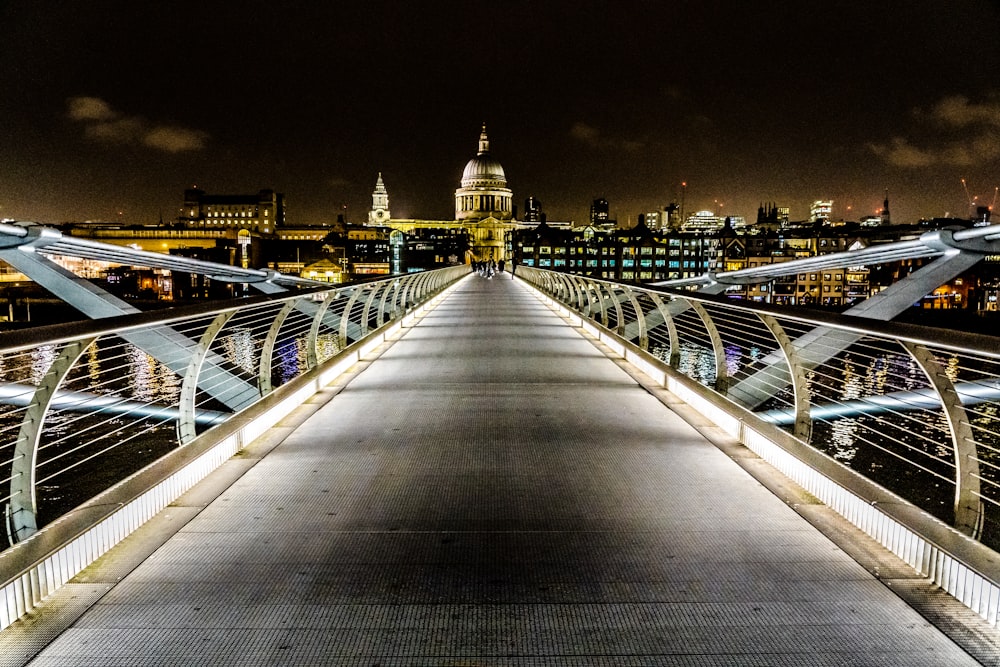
<point>484,214</point>
<point>600,214</point>
<point>379,215</point>
<point>532,210</point>
<point>821,210</point>
<point>262,212</point>
<point>484,192</point>
<point>703,221</point>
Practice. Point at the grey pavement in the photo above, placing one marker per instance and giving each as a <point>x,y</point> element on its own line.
<point>492,490</point>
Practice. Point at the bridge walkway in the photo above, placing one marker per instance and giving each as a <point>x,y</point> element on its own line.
<point>491,490</point>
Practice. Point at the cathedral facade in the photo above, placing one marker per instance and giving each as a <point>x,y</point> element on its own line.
<point>483,208</point>
<point>484,192</point>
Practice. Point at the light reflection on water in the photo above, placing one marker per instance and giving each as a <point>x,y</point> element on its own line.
<point>907,450</point>
<point>241,349</point>
<point>41,360</point>
<point>152,381</point>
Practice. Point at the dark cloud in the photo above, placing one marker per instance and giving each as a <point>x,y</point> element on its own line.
<point>967,135</point>
<point>593,137</point>
<point>102,123</point>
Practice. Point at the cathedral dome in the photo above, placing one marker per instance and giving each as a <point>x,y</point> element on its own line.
<point>484,192</point>
<point>483,169</point>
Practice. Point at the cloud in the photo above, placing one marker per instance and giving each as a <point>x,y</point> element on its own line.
<point>957,111</point>
<point>901,154</point>
<point>102,123</point>
<point>973,131</point>
<point>90,108</point>
<point>117,131</point>
<point>175,139</point>
<point>591,136</point>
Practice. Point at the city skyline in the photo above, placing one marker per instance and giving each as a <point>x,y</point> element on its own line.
<point>113,111</point>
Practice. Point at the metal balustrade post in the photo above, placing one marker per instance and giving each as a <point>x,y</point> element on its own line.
<point>968,507</point>
<point>721,371</point>
<point>186,429</point>
<point>588,308</point>
<point>674,354</point>
<point>619,325</point>
<point>599,289</point>
<point>577,291</point>
<point>800,386</point>
<point>22,512</point>
<point>413,296</point>
<point>345,314</point>
<point>397,298</point>
<point>558,288</point>
<point>538,278</point>
<point>388,289</point>
<point>267,351</point>
<point>640,317</point>
<point>366,313</point>
<point>406,288</point>
<point>312,340</point>
<point>549,281</point>
<point>422,281</point>
<point>565,289</point>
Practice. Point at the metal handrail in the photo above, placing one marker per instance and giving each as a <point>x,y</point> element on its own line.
<point>913,408</point>
<point>85,404</point>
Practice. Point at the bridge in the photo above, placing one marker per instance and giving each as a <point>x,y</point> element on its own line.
<point>447,469</point>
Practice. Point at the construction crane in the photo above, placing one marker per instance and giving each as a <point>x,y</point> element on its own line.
<point>978,213</point>
<point>972,201</point>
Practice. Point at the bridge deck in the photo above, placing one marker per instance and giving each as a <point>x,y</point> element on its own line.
<point>492,490</point>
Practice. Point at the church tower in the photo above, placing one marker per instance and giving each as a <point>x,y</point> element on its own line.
<point>379,215</point>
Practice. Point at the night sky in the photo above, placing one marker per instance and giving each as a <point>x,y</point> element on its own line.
<point>109,110</point>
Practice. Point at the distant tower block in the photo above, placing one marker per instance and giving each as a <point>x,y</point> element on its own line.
<point>532,210</point>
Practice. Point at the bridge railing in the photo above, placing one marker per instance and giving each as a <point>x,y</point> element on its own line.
<point>116,409</point>
<point>895,426</point>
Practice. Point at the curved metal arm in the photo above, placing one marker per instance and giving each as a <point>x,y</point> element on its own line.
<point>721,371</point>
<point>267,351</point>
<point>800,385</point>
<point>968,507</point>
<point>186,430</point>
<point>23,509</point>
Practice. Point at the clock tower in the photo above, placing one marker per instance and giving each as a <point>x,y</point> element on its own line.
<point>379,215</point>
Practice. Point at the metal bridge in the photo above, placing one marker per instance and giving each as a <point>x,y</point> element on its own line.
<point>446,469</point>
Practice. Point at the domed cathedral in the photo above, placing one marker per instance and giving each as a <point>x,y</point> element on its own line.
<point>483,208</point>
<point>484,203</point>
<point>484,192</point>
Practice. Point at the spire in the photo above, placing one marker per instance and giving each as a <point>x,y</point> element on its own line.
<point>484,142</point>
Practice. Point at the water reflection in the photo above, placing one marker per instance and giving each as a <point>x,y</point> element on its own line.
<point>241,349</point>
<point>151,380</point>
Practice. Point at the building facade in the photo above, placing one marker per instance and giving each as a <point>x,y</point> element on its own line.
<point>484,216</point>
<point>483,193</point>
<point>263,212</point>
